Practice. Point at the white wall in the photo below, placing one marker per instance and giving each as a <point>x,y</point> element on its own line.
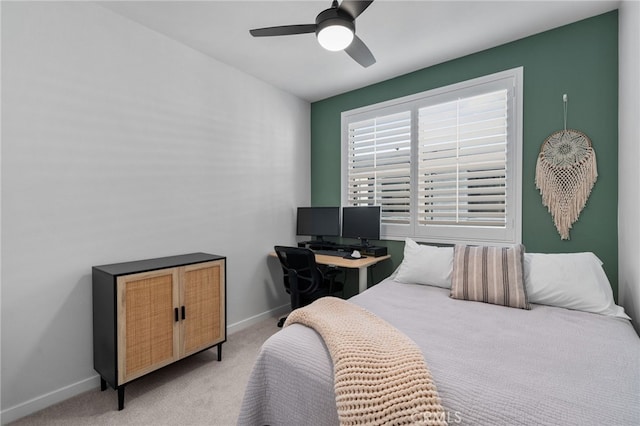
<point>121,144</point>
<point>629,160</point>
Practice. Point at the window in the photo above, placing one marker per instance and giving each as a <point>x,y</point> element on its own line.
<point>379,161</point>
<point>444,165</point>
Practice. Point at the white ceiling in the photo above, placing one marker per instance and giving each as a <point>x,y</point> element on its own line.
<point>404,36</point>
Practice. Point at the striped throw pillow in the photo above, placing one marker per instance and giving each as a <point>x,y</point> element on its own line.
<point>489,274</point>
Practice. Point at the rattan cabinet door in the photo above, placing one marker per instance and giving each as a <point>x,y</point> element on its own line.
<point>148,331</point>
<point>203,304</point>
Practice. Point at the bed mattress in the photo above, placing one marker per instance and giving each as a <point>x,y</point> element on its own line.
<point>492,365</point>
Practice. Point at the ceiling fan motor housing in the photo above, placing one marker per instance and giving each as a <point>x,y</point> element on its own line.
<point>334,16</point>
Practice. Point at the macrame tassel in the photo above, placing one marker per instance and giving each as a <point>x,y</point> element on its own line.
<point>565,189</point>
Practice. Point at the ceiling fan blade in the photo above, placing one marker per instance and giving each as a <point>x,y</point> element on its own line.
<point>355,7</point>
<point>283,30</point>
<point>360,52</point>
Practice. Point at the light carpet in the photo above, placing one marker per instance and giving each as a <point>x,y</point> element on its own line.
<point>197,390</point>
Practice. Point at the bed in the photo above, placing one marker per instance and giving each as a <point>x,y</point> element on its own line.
<point>492,364</point>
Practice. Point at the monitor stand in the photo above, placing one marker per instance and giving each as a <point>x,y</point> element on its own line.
<point>318,244</point>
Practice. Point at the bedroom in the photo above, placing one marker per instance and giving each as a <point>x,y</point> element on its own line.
<point>91,174</point>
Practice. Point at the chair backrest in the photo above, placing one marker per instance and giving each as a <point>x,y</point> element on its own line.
<point>299,264</point>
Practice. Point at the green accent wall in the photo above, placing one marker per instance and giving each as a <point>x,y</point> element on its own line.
<point>581,60</point>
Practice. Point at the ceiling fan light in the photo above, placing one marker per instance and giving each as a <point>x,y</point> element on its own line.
<point>335,37</point>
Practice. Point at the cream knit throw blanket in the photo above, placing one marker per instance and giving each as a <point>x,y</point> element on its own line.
<point>380,374</point>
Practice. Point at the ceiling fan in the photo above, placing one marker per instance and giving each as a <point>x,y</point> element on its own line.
<point>335,29</point>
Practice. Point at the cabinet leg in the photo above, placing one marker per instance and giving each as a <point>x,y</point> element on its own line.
<point>103,384</point>
<point>120,398</point>
<point>219,351</point>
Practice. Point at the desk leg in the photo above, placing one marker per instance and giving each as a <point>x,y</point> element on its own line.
<point>362,279</point>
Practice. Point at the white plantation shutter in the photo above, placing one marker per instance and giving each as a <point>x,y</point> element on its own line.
<point>444,165</point>
<point>463,162</point>
<point>379,165</point>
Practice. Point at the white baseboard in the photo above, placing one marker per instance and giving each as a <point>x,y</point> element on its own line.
<point>241,325</point>
<point>36,404</point>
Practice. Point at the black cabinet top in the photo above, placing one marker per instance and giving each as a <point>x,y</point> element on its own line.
<point>137,266</point>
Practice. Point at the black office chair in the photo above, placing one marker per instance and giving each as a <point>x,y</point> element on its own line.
<point>303,279</point>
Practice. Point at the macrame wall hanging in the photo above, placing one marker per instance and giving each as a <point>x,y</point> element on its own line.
<point>565,174</point>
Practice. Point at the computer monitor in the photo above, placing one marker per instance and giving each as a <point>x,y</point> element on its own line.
<point>362,223</point>
<point>318,222</point>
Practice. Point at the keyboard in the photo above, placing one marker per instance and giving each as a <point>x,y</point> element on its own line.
<point>337,253</point>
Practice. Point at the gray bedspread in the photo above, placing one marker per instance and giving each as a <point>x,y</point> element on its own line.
<point>492,365</point>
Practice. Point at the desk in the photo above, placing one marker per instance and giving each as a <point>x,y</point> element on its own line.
<point>360,264</point>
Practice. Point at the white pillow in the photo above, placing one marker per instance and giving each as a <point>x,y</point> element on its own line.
<point>424,264</point>
<point>570,280</point>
